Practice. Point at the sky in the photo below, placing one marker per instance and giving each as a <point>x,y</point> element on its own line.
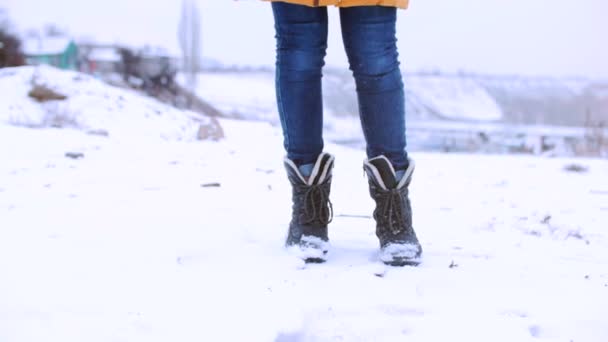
<point>528,37</point>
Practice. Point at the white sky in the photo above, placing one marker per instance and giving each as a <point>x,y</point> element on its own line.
<point>533,37</point>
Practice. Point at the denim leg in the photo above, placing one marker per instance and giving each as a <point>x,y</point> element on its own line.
<point>369,36</point>
<point>301,38</point>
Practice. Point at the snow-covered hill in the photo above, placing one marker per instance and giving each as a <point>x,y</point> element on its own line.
<point>182,240</point>
<point>89,105</point>
<point>463,98</point>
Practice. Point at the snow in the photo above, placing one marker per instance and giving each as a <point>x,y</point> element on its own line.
<point>33,46</point>
<point>393,252</point>
<point>251,94</point>
<point>91,106</point>
<point>451,98</point>
<point>311,248</point>
<point>455,98</point>
<point>104,54</point>
<point>126,244</point>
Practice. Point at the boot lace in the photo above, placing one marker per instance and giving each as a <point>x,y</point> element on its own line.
<point>317,206</point>
<point>390,211</point>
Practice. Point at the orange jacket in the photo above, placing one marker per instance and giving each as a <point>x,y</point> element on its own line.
<point>349,3</point>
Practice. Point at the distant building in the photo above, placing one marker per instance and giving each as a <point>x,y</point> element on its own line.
<point>60,52</point>
<point>99,59</point>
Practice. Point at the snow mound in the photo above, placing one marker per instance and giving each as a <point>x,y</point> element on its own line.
<point>454,98</point>
<point>90,105</point>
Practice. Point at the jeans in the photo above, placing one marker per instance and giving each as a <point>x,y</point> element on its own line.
<point>369,38</point>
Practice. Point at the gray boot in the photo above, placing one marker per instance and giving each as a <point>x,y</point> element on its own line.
<point>312,209</point>
<point>399,245</point>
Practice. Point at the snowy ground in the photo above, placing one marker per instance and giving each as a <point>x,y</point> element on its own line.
<point>137,242</point>
<point>126,245</point>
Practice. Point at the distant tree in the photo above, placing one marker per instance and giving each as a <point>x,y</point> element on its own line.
<point>53,30</point>
<point>190,41</point>
<point>129,63</point>
<point>10,45</point>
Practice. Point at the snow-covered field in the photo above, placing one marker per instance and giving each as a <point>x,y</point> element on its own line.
<point>166,238</point>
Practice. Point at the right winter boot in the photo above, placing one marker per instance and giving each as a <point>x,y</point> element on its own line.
<point>312,210</point>
<point>399,245</point>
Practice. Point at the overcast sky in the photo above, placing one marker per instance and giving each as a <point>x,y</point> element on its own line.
<point>532,37</point>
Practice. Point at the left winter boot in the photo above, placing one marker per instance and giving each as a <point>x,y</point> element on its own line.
<point>399,245</point>
<point>312,209</point>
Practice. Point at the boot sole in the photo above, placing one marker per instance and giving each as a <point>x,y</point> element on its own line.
<point>402,263</point>
<point>315,260</point>
<point>400,254</point>
<point>310,254</point>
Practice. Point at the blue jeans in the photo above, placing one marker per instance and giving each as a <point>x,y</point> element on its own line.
<point>369,38</point>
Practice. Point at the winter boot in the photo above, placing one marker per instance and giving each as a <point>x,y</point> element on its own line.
<point>399,245</point>
<point>312,210</point>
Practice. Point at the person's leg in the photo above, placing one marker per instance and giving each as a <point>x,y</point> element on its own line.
<point>370,42</point>
<point>301,34</point>
<point>301,38</point>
